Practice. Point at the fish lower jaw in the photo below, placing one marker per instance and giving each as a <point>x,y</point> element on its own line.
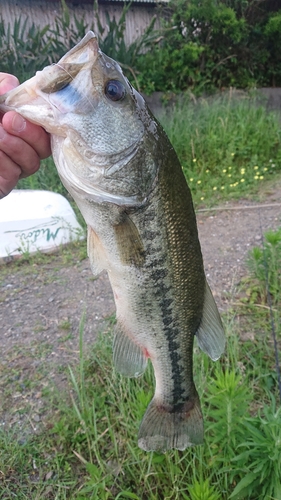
<point>28,102</point>
<point>79,187</point>
<point>81,190</point>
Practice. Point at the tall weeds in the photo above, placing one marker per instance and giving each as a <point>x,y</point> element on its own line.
<point>227,144</point>
<point>25,50</point>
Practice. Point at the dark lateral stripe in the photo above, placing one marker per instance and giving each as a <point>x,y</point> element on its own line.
<point>151,235</point>
<point>163,293</point>
<point>156,263</point>
<point>171,333</point>
<point>159,274</point>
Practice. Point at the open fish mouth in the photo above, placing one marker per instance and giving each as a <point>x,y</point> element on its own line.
<point>57,89</point>
<point>27,98</point>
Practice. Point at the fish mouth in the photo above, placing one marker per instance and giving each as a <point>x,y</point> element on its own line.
<point>41,99</point>
<point>27,101</point>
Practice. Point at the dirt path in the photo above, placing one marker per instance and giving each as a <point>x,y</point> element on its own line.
<point>41,305</point>
<point>226,237</point>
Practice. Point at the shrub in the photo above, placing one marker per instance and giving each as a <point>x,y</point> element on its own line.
<point>211,44</point>
<point>260,457</point>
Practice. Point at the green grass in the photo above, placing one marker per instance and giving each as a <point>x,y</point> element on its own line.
<point>88,447</point>
<point>227,145</point>
<point>46,178</point>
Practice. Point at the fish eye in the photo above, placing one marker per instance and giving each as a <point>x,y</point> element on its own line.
<point>115,90</point>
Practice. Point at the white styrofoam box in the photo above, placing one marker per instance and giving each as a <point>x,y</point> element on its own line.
<point>35,220</point>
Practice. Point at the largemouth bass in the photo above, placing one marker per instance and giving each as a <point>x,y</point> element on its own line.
<point>119,166</point>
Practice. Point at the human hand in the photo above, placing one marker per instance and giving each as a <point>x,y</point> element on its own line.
<point>22,143</point>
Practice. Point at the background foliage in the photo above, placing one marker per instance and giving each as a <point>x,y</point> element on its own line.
<point>210,44</point>
<point>202,45</point>
<point>25,50</point>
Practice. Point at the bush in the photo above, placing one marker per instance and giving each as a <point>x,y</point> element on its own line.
<point>210,44</point>
<point>260,459</point>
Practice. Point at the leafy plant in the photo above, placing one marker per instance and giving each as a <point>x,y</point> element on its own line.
<point>272,33</point>
<point>112,42</point>
<point>260,456</point>
<point>210,44</point>
<point>202,490</point>
<point>265,266</point>
<point>229,400</point>
<point>25,50</point>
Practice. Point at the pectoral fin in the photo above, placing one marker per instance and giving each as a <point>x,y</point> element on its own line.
<point>128,357</point>
<point>129,242</point>
<point>95,252</point>
<point>210,334</point>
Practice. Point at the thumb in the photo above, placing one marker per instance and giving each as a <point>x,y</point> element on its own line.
<point>7,82</point>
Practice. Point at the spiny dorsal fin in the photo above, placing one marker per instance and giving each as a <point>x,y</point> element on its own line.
<point>129,242</point>
<point>210,334</point>
<point>128,357</point>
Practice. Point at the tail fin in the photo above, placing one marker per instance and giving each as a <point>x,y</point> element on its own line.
<point>162,430</point>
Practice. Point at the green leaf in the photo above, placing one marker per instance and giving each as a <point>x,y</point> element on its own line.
<point>93,470</point>
<point>243,456</point>
<point>158,459</point>
<point>127,494</point>
<point>246,481</point>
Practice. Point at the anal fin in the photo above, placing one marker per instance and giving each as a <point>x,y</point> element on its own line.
<point>128,357</point>
<point>210,334</point>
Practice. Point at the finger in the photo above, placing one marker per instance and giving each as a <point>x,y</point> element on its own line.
<point>32,134</point>
<point>10,173</point>
<point>20,153</point>
<point>7,82</point>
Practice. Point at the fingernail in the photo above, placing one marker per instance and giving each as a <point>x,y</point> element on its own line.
<point>18,123</point>
<point>2,132</point>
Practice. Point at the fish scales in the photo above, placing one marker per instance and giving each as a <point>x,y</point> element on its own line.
<point>118,164</point>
